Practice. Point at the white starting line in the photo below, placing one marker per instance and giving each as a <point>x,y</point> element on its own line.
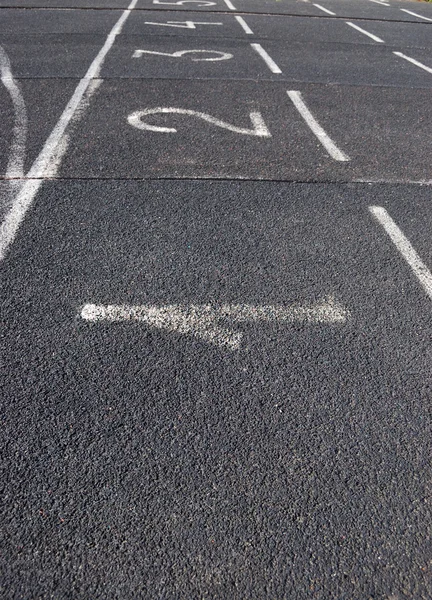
<point>204,321</point>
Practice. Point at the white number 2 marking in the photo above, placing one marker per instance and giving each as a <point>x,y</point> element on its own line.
<point>180,53</point>
<point>181,24</point>
<point>259,128</point>
<point>181,2</point>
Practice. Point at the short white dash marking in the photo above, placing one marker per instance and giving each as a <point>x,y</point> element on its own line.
<point>244,25</point>
<point>371,35</point>
<point>266,58</point>
<point>378,2</point>
<point>415,14</point>
<point>209,323</point>
<point>15,165</point>
<point>230,5</point>
<point>404,246</point>
<point>325,10</point>
<point>28,191</point>
<point>316,128</point>
<point>414,62</point>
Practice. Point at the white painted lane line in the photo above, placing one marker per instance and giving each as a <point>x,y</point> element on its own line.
<point>378,2</point>
<point>415,14</point>
<point>266,58</point>
<point>41,165</point>
<point>230,5</point>
<point>414,62</point>
<point>244,25</point>
<point>405,248</point>
<point>371,35</point>
<point>325,9</point>
<point>316,128</point>
<point>203,321</point>
<point>15,165</point>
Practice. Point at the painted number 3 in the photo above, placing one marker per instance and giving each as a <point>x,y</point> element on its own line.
<point>136,119</point>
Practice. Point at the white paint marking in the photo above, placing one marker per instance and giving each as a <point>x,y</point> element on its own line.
<point>181,53</point>
<point>266,58</point>
<point>25,197</point>
<point>415,14</point>
<point>244,25</point>
<point>316,128</point>
<point>181,24</point>
<point>371,35</point>
<point>414,62</point>
<point>378,2</point>
<point>405,248</point>
<point>135,119</point>
<point>62,147</point>
<point>15,165</point>
<point>182,2</point>
<point>202,321</point>
<point>325,9</point>
<point>230,5</point>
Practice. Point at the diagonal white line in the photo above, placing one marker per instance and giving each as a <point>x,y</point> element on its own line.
<point>325,9</point>
<point>316,128</point>
<point>371,35</point>
<point>266,58</point>
<point>27,193</point>
<point>414,62</point>
<point>404,246</point>
<point>415,14</point>
<point>244,25</point>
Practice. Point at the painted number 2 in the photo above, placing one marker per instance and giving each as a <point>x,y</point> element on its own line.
<point>259,128</point>
<point>180,53</point>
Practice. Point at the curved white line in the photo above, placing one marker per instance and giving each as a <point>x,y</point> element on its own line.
<point>259,127</point>
<point>15,166</point>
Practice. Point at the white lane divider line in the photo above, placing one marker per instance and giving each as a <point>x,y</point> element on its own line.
<point>371,35</point>
<point>230,5</point>
<point>415,14</point>
<point>316,128</point>
<point>404,246</point>
<point>325,9</point>
<point>28,191</point>
<point>266,58</point>
<point>15,165</point>
<point>379,2</point>
<point>414,62</point>
<point>204,321</point>
<point>244,25</point>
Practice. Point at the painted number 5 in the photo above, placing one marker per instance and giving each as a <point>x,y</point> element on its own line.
<point>180,53</point>
<point>259,128</point>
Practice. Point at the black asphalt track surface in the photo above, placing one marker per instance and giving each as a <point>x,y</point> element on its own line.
<point>142,462</point>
